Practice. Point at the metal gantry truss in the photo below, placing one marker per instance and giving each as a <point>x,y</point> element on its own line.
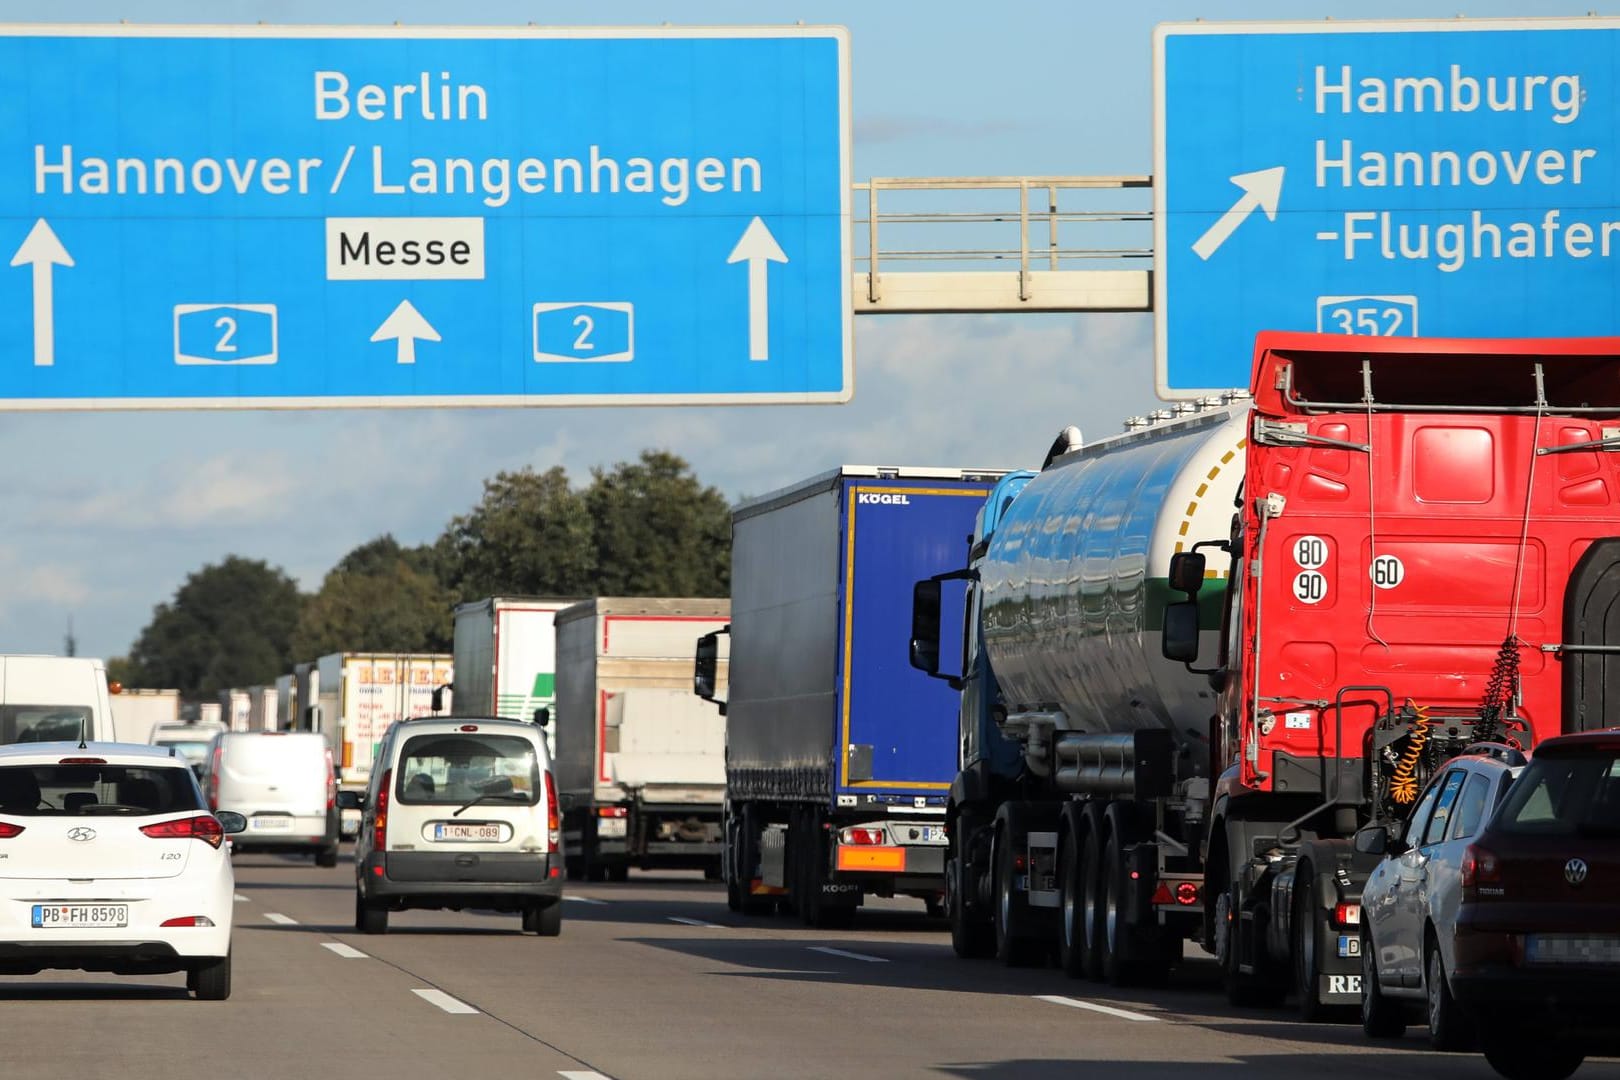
<point>946,244</point>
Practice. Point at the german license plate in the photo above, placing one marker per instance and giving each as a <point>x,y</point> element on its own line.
<point>1349,945</point>
<point>933,834</point>
<point>484,833</point>
<point>272,824</point>
<point>52,916</point>
<point>1571,949</point>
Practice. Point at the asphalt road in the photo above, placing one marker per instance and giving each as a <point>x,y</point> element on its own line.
<point>654,978</point>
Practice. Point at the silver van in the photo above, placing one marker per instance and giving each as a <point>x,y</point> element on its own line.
<point>460,813</point>
<point>284,784</point>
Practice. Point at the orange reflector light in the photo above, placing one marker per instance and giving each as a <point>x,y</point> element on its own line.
<point>889,859</point>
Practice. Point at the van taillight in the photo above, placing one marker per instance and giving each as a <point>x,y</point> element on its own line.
<point>331,781</point>
<point>379,823</point>
<point>204,827</point>
<point>553,818</point>
<point>1479,867</point>
<point>8,830</point>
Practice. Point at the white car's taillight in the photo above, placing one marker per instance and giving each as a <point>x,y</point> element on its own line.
<point>204,827</point>
<point>8,830</point>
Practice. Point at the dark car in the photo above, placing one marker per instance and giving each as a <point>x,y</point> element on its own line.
<point>1410,905</point>
<point>1537,940</point>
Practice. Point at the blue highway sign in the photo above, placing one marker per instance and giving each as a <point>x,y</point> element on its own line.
<point>1454,179</point>
<point>256,217</point>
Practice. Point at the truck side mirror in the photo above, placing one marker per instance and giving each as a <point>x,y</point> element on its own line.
<point>1187,572</point>
<point>542,716</point>
<point>1180,634</point>
<point>925,612</point>
<point>706,667</point>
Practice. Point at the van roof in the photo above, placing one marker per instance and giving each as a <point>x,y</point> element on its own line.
<point>456,723</point>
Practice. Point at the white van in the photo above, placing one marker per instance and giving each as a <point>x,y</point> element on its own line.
<point>284,784</point>
<point>460,813</point>
<point>53,699</point>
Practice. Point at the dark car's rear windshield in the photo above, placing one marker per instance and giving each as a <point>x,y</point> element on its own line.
<point>454,768</point>
<point>1564,795</point>
<point>90,790</point>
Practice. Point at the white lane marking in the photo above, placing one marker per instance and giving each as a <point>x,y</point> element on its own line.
<point>585,900</point>
<point>830,951</point>
<point>348,952</point>
<point>444,1001</point>
<point>240,899</point>
<point>581,1074</point>
<point>694,922</point>
<point>278,917</point>
<point>1106,1010</point>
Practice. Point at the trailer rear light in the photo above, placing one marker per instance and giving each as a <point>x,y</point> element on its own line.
<point>1187,894</point>
<point>861,835</point>
<point>188,920</point>
<point>1184,893</point>
<point>82,761</point>
<point>1347,915</point>
<point>379,823</point>
<point>1479,867</point>
<point>553,818</point>
<point>613,811</point>
<point>8,830</point>
<point>204,827</point>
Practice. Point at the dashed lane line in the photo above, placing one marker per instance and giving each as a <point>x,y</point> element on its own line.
<point>579,1074</point>
<point>693,922</point>
<point>830,951</point>
<point>586,900</point>
<point>445,1002</point>
<point>280,919</point>
<point>348,952</point>
<point>240,899</point>
<point>1092,1006</point>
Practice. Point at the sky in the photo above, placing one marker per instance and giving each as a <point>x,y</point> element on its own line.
<point>106,513</point>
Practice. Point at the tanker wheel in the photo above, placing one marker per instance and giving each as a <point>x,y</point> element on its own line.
<point>1071,907</point>
<point>1011,949</point>
<point>1092,885</point>
<point>1117,954</point>
<point>971,937</point>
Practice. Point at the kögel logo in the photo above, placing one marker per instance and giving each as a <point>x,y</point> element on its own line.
<point>873,497</point>
<point>81,833</point>
<point>1575,871</point>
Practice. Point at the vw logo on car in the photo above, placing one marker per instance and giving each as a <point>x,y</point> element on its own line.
<point>1575,871</point>
<point>83,833</point>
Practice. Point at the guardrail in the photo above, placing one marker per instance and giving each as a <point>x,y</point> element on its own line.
<point>951,245</point>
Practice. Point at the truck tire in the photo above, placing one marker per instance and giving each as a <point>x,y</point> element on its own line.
<point>1071,899</point>
<point>1115,939</point>
<point>1012,949</point>
<point>747,860</point>
<point>1243,989</point>
<point>728,868</point>
<point>972,937</point>
<point>1091,884</point>
<point>1304,939</point>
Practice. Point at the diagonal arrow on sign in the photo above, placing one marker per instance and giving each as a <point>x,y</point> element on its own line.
<point>758,247</point>
<point>43,251</point>
<point>1261,191</point>
<point>405,326</point>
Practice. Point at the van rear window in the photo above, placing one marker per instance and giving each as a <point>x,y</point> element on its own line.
<point>96,790</point>
<point>45,723</point>
<point>456,768</point>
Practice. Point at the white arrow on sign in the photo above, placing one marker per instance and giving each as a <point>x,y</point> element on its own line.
<point>405,326</point>
<point>758,247</point>
<point>43,251</point>
<point>1261,191</point>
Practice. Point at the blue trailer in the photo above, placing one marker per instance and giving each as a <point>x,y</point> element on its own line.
<point>839,755</point>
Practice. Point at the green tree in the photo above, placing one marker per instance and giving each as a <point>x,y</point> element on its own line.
<point>529,535</point>
<point>380,597</point>
<point>228,625</point>
<point>658,531</point>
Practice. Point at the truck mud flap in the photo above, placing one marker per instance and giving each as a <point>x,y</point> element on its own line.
<point>1339,989</point>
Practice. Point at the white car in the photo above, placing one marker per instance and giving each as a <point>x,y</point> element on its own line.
<point>111,861</point>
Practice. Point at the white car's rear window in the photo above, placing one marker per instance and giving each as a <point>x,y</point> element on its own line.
<point>455,768</point>
<point>96,790</point>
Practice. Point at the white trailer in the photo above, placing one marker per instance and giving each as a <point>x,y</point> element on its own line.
<point>640,761</point>
<point>286,716</point>
<point>358,696</point>
<point>237,705</point>
<point>137,713</point>
<point>505,657</point>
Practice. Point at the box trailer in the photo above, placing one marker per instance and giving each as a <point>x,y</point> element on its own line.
<point>358,696</point>
<point>640,762</point>
<point>506,657</point>
<point>137,713</point>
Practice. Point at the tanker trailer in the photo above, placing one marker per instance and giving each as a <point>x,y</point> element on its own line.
<point>1409,584</point>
